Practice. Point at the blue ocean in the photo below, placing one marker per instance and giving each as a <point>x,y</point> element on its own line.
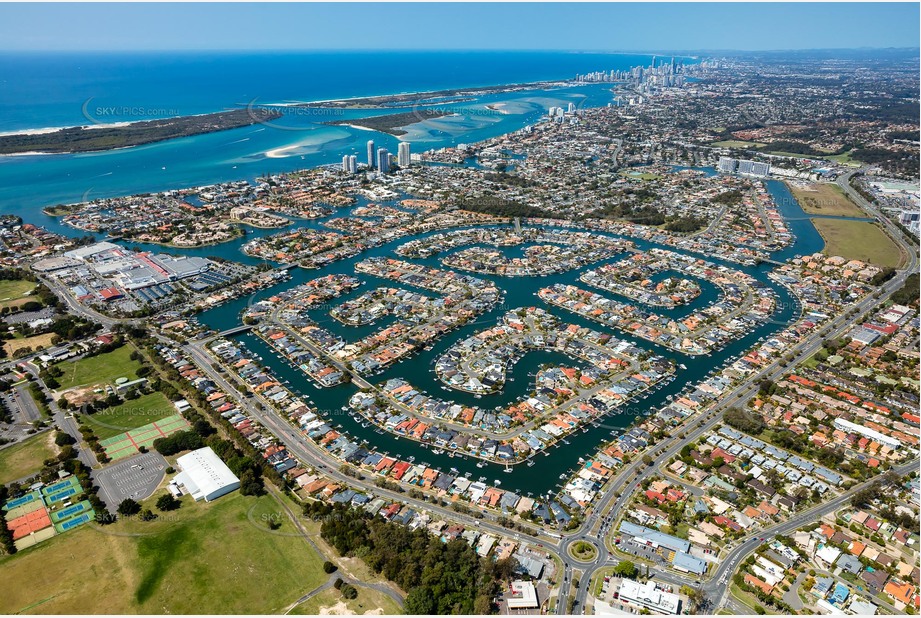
<point>42,90</point>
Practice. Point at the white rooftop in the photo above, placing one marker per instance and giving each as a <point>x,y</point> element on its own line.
<point>204,475</point>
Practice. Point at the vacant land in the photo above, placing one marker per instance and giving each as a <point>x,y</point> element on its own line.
<point>332,602</point>
<point>203,558</point>
<point>734,143</point>
<point>21,460</point>
<point>130,415</point>
<point>825,199</point>
<point>33,343</point>
<point>15,292</point>
<point>100,369</point>
<point>858,240</point>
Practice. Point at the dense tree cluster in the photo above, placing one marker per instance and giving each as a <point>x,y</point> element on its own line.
<point>440,578</point>
<point>744,421</point>
<point>500,207</point>
<point>908,293</point>
<point>685,225</point>
<point>6,535</point>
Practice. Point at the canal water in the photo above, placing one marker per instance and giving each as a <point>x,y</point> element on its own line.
<point>543,476</point>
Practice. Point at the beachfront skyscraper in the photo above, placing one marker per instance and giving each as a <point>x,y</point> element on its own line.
<point>403,154</point>
<point>371,154</point>
<point>353,164</point>
<point>345,163</point>
<point>383,160</point>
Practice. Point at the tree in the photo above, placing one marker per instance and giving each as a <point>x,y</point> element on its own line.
<point>349,591</point>
<point>627,569</point>
<point>329,567</point>
<point>128,507</point>
<point>420,601</point>
<point>167,502</point>
<point>63,439</point>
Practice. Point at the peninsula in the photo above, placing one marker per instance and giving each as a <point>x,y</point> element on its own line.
<point>96,138</point>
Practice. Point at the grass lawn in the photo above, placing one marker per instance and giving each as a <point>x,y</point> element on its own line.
<point>331,601</point>
<point>859,240</point>
<point>99,369</point>
<point>25,458</point>
<point>598,580</point>
<point>635,175</point>
<point>130,415</point>
<point>844,159</point>
<point>825,199</point>
<point>748,599</point>
<point>38,341</point>
<point>734,143</point>
<point>203,558</point>
<point>14,292</point>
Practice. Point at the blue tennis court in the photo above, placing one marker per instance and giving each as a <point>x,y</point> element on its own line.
<point>73,522</point>
<point>16,502</point>
<point>70,511</point>
<point>51,499</point>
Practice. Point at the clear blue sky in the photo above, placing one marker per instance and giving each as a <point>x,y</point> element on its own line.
<point>560,25</point>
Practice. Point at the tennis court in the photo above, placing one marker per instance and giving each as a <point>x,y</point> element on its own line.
<point>39,515</point>
<point>70,511</point>
<point>60,485</point>
<point>27,524</point>
<point>23,500</point>
<point>59,496</point>
<point>35,538</point>
<point>25,509</point>
<point>73,522</point>
<point>126,444</point>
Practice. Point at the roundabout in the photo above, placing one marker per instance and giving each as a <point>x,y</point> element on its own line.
<point>582,551</point>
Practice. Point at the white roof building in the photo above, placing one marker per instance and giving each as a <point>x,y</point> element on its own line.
<point>650,596</point>
<point>204,475</point>
<point>523,595</point>
<point>848,426</point>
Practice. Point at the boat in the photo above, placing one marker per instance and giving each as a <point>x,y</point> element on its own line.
<point>530,463</point>
<point>481,464</point>
<point>683,366</point>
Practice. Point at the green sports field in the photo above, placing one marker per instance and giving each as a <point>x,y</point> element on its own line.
<point>100,369</point>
